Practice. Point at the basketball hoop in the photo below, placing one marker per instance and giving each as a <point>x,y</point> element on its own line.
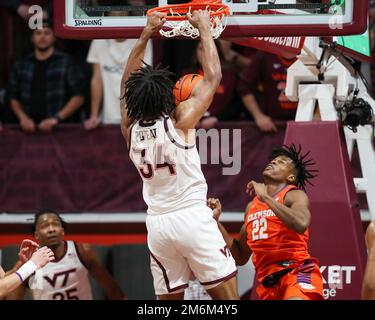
<point>178,25</point>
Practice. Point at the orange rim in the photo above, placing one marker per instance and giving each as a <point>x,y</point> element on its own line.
<point>217,8</point>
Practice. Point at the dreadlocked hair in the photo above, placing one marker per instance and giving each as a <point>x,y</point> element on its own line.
<point>43,212</point>
<point>300,161</point>
<point>149,93</point>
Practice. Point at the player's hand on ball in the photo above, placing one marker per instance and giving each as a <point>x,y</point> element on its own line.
<point>215,205</point>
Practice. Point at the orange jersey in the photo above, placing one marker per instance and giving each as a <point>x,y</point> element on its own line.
<point>270,240</point>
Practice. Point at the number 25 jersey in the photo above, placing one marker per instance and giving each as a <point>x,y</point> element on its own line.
<point>269,238</point>
<point>66,279</point>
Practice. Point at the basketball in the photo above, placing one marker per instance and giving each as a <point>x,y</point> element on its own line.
<point>185,85</point>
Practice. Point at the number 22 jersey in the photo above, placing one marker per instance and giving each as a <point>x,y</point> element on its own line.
<point>269,238</point>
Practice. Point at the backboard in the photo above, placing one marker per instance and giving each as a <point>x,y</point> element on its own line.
<point>90,19</point>
<point>355,46</point>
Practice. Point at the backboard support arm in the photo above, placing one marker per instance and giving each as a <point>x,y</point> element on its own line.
<point>327,83</point>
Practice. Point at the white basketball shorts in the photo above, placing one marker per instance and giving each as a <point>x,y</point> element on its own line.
<point>184,245</point>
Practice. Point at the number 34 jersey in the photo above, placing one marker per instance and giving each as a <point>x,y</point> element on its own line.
<point>269,238</point>
<point>169,167</point>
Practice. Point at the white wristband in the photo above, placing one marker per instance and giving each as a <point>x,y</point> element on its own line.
<point>26,270</point>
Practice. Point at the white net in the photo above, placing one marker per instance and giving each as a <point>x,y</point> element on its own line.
<point>184,28</point>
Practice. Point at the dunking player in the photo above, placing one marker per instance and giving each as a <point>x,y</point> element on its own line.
<point>276,230</point>
<point>368,284</point>
<point>31,259</point>
<point>66,278</point>
<point>183,237</point>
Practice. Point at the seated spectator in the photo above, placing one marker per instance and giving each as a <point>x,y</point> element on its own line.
<point>66,278</point>
<point>270,71</point>
<point>45,87</point>
<point>224,104</point>
<point>108,59</point>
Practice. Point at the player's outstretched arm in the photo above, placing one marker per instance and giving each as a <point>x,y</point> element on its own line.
<point>368,284</point>
<point>8,284</point>
<point>238,247</point>
<point>189,112</point>
<point>294,213</point>
<point>99,273</point>
<point>11,282</point>
<point>135,61</point>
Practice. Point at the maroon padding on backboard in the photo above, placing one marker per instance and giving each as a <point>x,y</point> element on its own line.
<point>358,26</point>
<point>336,234</point>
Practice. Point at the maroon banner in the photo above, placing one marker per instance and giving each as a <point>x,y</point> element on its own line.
<point>72,170</point>
<point>287,47</point>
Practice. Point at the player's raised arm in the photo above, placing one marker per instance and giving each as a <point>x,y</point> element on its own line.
<point>294,213</point>
<point>191,111</point>
<point>135,61</point>
<point>238,247</point>
<point>38,260</point>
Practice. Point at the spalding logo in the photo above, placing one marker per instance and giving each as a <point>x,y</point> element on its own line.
<point>84,23</point>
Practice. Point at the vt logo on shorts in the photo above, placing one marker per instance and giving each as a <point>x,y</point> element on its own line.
<point>225,251</point>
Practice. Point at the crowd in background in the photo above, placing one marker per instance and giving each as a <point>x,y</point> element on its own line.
<point>50,81</point>
<point>45,81</point>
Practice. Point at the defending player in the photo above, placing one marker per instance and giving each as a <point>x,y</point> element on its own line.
<point>276,230</point>
<point>183,237</point>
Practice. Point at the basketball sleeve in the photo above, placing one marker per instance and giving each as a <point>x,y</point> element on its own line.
<point>94,52</point>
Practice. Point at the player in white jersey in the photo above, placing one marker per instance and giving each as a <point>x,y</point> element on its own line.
<point>66,278</point>
<point>31,258</point>
<point>183,237</point>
